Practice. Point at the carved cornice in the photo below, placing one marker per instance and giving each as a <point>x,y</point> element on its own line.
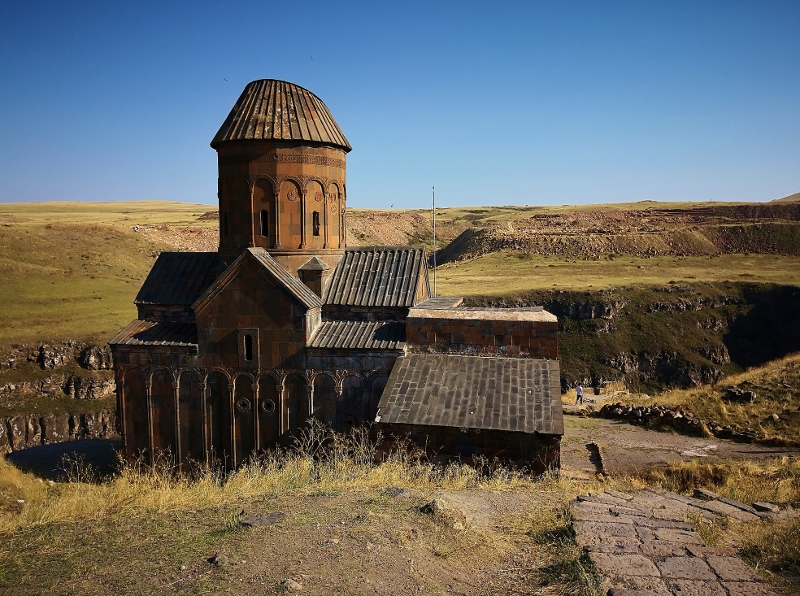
<point>317,160</point>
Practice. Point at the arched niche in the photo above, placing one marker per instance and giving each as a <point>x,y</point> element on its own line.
<point>269,415</point>
<point>354,403</point>
<point>291,215</point>
<point>315,215</point>
<point>264,213</point>
<point>218,417</point>
<point>332,205</point>
<point>163,411</point>
<point>295,405</point>
<point>325,399</point>
<point>134,404</point>
<point>244,417</point>
<point>190,417</point>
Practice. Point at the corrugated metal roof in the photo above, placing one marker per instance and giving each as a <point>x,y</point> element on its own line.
<point>376,276</point>
<point>152,333</point>
<point>371,335</point>
<point>512,394</point>
<point>297,288</point>
<point>273,110</point>
<point>178,278</point>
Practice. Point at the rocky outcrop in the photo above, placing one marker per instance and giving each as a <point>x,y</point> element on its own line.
<point>61,385</point>
<point>670,367</point>
<point>30,430</point>
<point>54,356</point>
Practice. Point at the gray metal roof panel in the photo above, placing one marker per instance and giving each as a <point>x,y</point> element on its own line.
<point>512,394</point>
<point>383,335</point>
<point>153,333</point>
<point>376,276</point>
<point>179,278</point>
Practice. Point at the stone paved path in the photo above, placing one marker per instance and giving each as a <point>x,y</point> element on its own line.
<point>642,545</point>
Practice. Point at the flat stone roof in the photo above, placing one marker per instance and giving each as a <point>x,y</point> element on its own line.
<point>509,394</point>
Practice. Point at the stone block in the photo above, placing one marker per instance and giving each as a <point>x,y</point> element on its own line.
<point>731,569</point>
<point>748,589</point>
<point>685,568</point>
<point>631,585</point>
<point>624,565</point>
<point>661,550</point>
<point>682,536</point>
<point>687,587</point>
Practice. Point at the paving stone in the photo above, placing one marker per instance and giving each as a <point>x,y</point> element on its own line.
<point>639,585</point>
<point>669,514</point>
<point>632,548</point>
<point>607,529</point>
<point>687,587</point>
<point>663,523</point>
<point>682,536</point>
<point>597,516</point>
<point>632,511</point>
<point>720,508</point>
<point>766,507</point>
<point>625,565</point>
<point>748,589</point>
<point>731,569</point>
<point>659,549</point>
<point>738,505</point>
<point>595,541</point>
<point>609,499</point>
<point>704,494</point>
<point>698,550</point>
<point>685,568</point>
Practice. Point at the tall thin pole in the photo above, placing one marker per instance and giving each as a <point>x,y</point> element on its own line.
<point>433,209</point>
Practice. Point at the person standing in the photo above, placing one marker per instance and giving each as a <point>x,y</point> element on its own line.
<point>578,394</point>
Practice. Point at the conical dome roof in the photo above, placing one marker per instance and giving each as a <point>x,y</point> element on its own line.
<point>270,110</point>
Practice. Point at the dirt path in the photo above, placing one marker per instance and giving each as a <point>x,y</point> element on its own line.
<point>625,447</point>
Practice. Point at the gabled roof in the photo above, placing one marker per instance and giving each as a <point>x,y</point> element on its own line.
<point>270,110</point>
<point>179,278</point>
<point>370,335</point>
<point>152,333</point>
<point>289,282</point>
<point>377,276</point>
<point>509,394</point>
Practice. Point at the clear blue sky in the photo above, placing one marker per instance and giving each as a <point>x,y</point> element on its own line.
<point>493,102</point>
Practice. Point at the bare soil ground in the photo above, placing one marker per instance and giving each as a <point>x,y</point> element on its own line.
<point>628,449</point>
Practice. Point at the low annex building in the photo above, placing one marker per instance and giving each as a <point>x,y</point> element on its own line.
<point>233,351</point>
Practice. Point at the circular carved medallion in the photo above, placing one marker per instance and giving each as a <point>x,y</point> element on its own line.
<point>268,406</point>
<point>318,197</point>
<point>292,195</point>
<point>243,405</point>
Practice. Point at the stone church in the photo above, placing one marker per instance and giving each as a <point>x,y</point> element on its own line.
<point>233,351</point>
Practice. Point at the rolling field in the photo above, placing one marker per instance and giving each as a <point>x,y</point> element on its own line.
<point>503,273</point>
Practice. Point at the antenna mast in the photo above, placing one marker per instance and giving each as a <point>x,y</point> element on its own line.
<point>433,210</point>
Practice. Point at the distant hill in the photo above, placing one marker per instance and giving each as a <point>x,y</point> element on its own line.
<point>795,198</point>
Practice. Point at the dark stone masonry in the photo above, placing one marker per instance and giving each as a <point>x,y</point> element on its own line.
<point>233,351</point>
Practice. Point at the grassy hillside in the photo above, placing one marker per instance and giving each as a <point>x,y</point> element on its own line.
<point>775,385</point>
<point>72,270</point>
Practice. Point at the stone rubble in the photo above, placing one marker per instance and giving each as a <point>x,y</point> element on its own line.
<point>641,544</point>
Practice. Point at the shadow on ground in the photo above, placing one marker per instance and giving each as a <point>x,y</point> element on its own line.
<point>52,461</point>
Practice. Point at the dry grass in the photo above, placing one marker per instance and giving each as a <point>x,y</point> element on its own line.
<point>776,386</point>
<point>504,273</point>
